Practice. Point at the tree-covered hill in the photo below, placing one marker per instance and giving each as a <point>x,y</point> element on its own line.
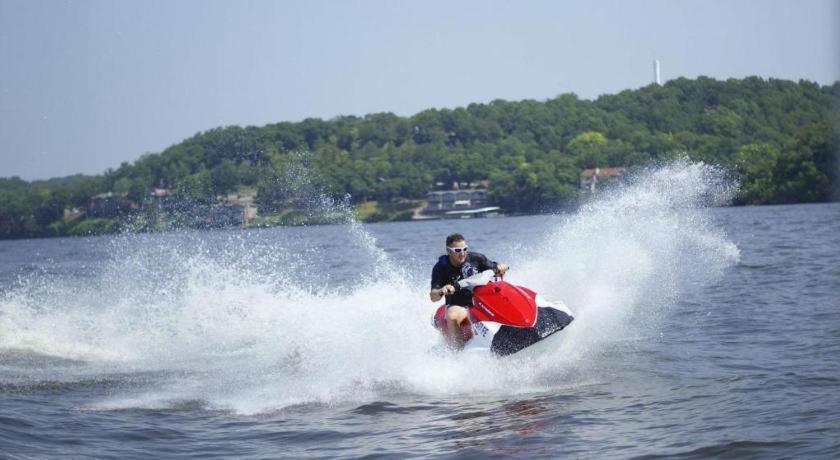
<point>780,137</point>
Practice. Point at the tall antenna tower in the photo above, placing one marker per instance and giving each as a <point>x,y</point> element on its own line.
<point>656,72</point>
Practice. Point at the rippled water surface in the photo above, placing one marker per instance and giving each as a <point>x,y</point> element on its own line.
<point>700,331</point>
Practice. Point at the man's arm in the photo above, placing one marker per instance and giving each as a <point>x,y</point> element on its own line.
<point>437,293</point>
<point>439,289</point>
<point>487,264</point>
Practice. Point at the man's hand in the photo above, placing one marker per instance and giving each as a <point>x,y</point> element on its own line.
<point>437,294</point>
<point>502,268</point>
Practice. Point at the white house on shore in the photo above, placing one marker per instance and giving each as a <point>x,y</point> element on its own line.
<point>591,178</point>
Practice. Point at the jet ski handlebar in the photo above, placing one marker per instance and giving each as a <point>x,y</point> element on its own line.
<point>479,279</point>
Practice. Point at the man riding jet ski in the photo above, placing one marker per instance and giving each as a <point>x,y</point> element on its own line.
<point>486,314</point>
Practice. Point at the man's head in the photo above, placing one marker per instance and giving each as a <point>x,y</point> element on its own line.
<point>456,249</point>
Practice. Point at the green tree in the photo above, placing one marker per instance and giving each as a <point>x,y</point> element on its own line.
<point>51,209</point>
<point>589,147</point>
<point>756,164</point>
<point>224,177</point>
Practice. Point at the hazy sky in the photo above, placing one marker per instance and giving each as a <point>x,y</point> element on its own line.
<point>86,85</point>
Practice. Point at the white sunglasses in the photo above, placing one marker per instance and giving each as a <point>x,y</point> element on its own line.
<point>457,250</point>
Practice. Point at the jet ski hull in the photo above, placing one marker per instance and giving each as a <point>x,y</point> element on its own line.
<point>480,333</point>
<point>511,339</point>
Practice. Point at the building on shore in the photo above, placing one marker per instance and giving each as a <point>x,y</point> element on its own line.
<point>462,203</point>
<point>244,199</point>
<point>214,215</point>
<point>593,179</point>
<point>110,205</point>
<point>230,210</point>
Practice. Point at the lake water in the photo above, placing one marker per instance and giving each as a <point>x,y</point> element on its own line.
<point>700,332</point>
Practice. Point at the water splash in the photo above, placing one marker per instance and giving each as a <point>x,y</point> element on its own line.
<point>257,321</point>
<point>626,257</point>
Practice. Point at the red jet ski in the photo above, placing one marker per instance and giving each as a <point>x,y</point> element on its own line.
<point>505,318</point>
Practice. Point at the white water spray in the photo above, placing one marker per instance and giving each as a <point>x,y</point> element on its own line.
<point>249,325</point>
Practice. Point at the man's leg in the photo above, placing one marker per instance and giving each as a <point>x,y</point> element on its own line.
<point>455,314</point>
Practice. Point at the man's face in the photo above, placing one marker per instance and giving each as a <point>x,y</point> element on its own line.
<point>457,253</point>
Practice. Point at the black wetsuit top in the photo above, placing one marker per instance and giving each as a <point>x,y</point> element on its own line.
<point>445,273</point>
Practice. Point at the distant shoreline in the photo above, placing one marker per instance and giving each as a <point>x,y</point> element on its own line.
<point>776,138</point>
<point>344,222</point>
